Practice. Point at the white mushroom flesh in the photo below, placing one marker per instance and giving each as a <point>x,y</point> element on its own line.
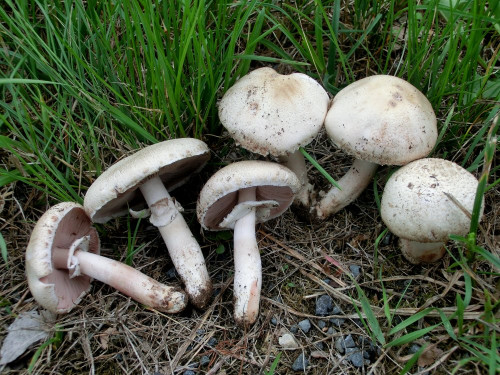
<point>247,264</point>
<point>62,258</point>
<point>183,248</point>
<point>416,204</point>
<point>352,184</point>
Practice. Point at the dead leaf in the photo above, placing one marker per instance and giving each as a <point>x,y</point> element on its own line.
<point>429,356</point>
<point>27,329</point>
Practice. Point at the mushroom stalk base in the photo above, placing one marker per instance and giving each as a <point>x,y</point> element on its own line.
<point>183,248</point>
<point>297,164</point>
<point>420,252</point>
<point>352,184</point>
<point>247,265</point>
<point>127,280</point>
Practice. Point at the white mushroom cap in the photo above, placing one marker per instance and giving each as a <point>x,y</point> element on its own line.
<point>59,227</point>
<point>269,113</point>
<point>414,204</point>
<point>218,207</point>
<point>116,189</point>
<point>382,119</point>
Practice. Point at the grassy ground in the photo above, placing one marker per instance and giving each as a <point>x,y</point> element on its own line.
<point>84,83</point>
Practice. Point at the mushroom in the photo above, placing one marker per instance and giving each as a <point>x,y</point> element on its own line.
<point>380,120</point>
<point>146,177</point>
<point>423,203</point>
<point>62,258</point>
<point>237,197</point>
<point>270,113</point>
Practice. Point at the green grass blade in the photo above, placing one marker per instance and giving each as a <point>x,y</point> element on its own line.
<point>410,337</point>
<point>370,316</point>
<point>319,168</point>
<point>409,321</point>
<point>411,362</point>
<point>3,250</point>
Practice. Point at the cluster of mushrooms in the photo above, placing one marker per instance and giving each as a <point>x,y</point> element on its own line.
<point>380,120</point>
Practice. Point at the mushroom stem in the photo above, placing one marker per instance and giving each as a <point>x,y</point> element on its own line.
<point>352,184</point>
<point>247,265</point>
<point>183,248</point>
<point>126,279</point>
<point>421,252</point>
<point>297,164</point>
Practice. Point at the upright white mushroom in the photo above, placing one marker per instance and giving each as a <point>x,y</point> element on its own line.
<point>416,206</point>
<point>270,113</point>
<point>62,258</point>
<point>146,178</point>
<point>237,197</point>
<point>380,120</point>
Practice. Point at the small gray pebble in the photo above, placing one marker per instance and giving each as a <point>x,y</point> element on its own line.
<point>324,305</point>
<point>386,240</point>
<point>300,363</point>
<point>330,331</point>
<point>171,273</point>
<point>189,372</point>
<point>355,270</point>
<point>204,361</point>
<point>344,342</point>
<point>355,356</point>
<point>349,342</point>
<point>336,310</point>
<point>305,325</point>
<point>414,348</point>
<point>200,331</point>
<point>337,321</point>
<point>212,342</point>
<point>366,354</point>
<point>294,328</point>
<point>319,345</point>
<point>274,321</point>
<point>338,345</point>
<point>321,324</point>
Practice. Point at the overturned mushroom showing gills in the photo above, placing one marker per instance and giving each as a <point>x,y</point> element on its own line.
<point>270,113</point>
<point>62,258</point>
<point>421,205</point>
<point>146,177</point>
<point>237,197</point>
<point>380,120</point>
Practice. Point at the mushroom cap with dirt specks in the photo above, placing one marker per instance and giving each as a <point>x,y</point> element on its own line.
<point>414,204</point>
<point>382,119</point>
<point>116,189</point>
<point>276,186</point>
<point>270,113</point>
<point>59,226</point>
